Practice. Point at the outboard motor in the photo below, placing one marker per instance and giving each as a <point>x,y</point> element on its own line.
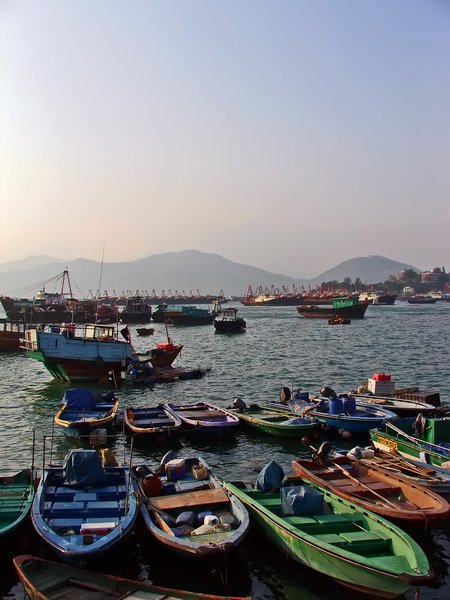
<point>239,404</point>
<point>328,392</point>
<point>285,395</point>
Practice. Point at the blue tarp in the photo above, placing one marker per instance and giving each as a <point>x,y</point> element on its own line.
<point>270,478</point>
<point>83,467</point>
<point>301,500</point>
<point>80,399</point>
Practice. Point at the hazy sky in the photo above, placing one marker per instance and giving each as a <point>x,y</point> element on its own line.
<point>288,135</point>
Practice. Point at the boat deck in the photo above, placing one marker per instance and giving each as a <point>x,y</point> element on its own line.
<point>347,531</point>
<point>76,511</point>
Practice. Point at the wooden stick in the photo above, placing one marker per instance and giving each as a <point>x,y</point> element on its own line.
<point>415,440</point>
<point>363,485</point>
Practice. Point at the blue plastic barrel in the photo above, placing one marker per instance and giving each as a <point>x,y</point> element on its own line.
<point>349,405</point>
<point>336,406</point>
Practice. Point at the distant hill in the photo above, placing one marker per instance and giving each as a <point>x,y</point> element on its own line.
<point>186,271</point>
<point>370,269</point>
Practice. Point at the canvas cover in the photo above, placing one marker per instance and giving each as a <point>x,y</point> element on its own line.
<point>80,399</point>
<point>82,468</point>
<point>270,478</point>
<point>301,500</point>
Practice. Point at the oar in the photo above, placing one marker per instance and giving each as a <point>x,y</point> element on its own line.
<point>359,483</point>
<point>415,440</point>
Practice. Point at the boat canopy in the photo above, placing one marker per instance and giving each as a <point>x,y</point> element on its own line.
<point>83,467</point>
<point>80,399</point>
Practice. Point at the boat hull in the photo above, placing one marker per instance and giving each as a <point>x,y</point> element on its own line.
<point>354,311</point>
<point>347,567</point>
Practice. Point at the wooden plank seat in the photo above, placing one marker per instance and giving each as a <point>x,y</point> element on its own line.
<point>365,541</point>
<point>331,538</point>
<point>103,507</point>
<point>147,422</point>
<point>201,413</point>
<point>186,499</point>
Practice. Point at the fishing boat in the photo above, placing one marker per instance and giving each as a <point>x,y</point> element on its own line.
<point>204,418</point>
<point>90,352</point>
<point>429,476</point>
<point>341,413</point>
<point>183,314</point>
<point>337,538</point>
<point>136,310</point>
<point>136,376</point>
<point>145,331</point>
<point>278,423</point>
<point>82,509</point>
<point>10,335</point>
<point>188,510</point>
<point>350,308</point>
<point>152,422</point>
<point>378,298</point>
<point>48,580</point>
<point>227,321</point>
<point>422,440</point>
<point>83,410</point>
<point>374,488</point>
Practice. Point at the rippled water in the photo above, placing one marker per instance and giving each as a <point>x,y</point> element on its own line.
<point>279,348</point>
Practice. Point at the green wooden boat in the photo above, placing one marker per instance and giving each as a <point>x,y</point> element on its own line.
<point>16,498</point>
<point>419,443</point>
<point>348,543</point>
<point>45,579</point>
<point>278,423</point>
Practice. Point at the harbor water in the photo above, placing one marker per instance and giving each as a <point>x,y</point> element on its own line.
<point>280,348</point>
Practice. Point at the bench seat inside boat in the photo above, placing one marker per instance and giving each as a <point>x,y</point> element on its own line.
<point>152,422</point>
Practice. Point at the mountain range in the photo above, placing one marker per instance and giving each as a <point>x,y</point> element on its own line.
<point>180,272</point>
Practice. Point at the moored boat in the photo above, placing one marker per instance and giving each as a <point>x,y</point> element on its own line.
<point>338,538</point>
<point>16,498</point>
<point>145,331</point>
<point>183,314</point>
<point>429,476</point>
<point>280,423</point>
<point>227,321</point>
<point>82,510</point>
<point>83,410</point>
<point>422,440</point>
<point>374,488</point>
<point>187,509</point>
<point>342,413</point>
<point>151,422</point>
<point>10,335</point>
<point>136,310</point>
<point>45,579</point>
<point>204,418</point>
<point>350,308</point>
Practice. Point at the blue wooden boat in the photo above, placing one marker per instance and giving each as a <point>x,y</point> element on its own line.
<point>82,509</point>
<point>183,314</point>
<point>342,413</point>
<point>84,410</point>
<point>152,422</point>
<point>204,418</point>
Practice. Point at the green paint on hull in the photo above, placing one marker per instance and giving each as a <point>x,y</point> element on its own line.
<point>351,545</point>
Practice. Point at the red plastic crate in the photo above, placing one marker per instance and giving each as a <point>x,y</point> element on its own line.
<point>381,377</point>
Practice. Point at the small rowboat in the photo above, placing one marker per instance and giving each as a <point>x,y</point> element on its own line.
<point>354,546</point>
<point>280,423</point>
<point>83,510</point>
<point>153,422</point>
<point>339,321</point>
<point>144,331</point>
<point>401,407</point>
<point>431,477</point>
<point>83,410</point>
<point>374,488</point>
<point>335,413</point>
<point>16,498</point>
<point>204,418</point>
<point>45,579</point>
<point>197,517</point>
